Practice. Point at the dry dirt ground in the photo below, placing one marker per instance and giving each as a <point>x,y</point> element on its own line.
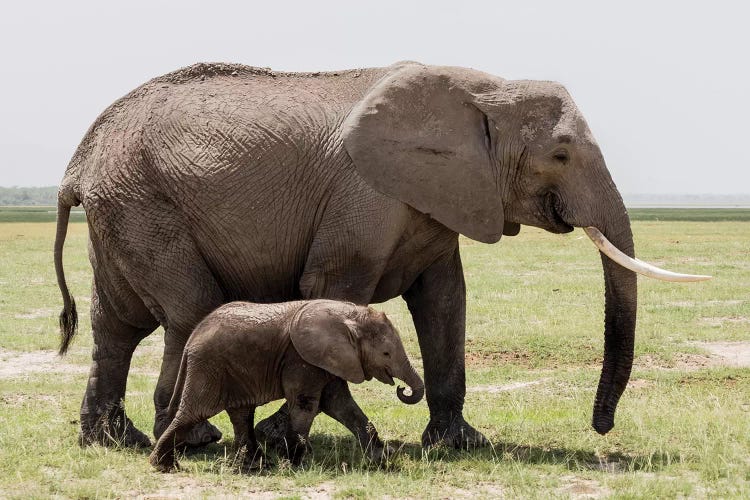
<point>185,487</point>
<point>15,364</point>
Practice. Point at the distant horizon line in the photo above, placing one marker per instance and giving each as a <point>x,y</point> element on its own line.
<point>624,195</point>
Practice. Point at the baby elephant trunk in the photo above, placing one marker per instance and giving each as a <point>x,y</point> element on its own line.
<point>415,383</point>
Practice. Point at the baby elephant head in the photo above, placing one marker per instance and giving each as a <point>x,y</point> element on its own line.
<point>354,343</point>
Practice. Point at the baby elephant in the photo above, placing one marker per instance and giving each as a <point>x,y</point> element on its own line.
<point>244,355</point>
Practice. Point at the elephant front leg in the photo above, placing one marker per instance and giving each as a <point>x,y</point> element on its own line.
<point>248,453</point>
<point>437,302</point>
<point>302,411</point>
<point>337,402</point>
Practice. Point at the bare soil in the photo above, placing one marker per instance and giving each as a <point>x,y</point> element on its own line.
<point>582,488</point>
<point>719,353</point>
<point>735,354</point>
<point>484,358</point>
<point>36,314</point>
<point>17,364</point>
<point>189,487</point>
<point>492,389</point>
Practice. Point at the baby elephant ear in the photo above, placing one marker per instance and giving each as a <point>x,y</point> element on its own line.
<point>329,342</point>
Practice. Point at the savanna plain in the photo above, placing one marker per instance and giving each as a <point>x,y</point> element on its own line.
<point>533,350</point>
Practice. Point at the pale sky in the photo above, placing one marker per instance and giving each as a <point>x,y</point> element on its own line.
<point>665,86</point>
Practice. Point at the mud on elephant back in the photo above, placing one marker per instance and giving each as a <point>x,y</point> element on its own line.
<point>222,182</point>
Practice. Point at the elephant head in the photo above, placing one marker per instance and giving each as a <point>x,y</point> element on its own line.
<point>354,343</point>
<point>483,155</point>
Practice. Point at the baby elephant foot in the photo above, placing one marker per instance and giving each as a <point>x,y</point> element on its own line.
<point>164,463</point>
<point>202,434</point>
<point>251,461</point>
<point>295,448</point>
<point>375,450</point>
<point>256,463</point>
<point>273,429</point>
<point>456,433</point>
<point>380,453</point>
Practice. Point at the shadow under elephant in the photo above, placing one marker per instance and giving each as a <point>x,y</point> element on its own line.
<point>334,454</point>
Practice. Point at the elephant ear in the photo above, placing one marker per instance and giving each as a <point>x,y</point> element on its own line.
<point>327,340</point>
<point>418,137</point>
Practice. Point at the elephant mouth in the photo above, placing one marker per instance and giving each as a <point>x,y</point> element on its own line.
<point>557,223</point>
<point>385,377</point>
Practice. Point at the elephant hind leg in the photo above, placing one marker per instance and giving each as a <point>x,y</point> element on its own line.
<point>184,307</point>
<point>183,289</point>
<point>200,399</point>
<point>103,418</point>
<point>174,436</point>
<point>160,260</point>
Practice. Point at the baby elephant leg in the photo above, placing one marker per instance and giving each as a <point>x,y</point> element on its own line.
<point>244,438</point>
<point>163,456</point>
<point>336,401</point>
<point>302,411</point>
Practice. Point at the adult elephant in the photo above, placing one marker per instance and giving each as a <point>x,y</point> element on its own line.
<point>222,182</point>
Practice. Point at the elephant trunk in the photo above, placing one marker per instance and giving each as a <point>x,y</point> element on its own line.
<point>415,383</point>
<point>621,298</point>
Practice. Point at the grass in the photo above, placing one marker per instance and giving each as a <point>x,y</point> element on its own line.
<point>37,214</point>
<point>47,214</point>
<point>690,214</point>
<point>535,316</point>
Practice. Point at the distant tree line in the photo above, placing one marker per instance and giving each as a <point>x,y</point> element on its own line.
<point>28,196</point>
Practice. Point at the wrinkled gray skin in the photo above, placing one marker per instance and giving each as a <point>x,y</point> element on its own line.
<point>224,182</point>
<point>302,351</point>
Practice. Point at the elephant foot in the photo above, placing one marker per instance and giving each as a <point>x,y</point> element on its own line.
<point>294,447</point>
<point>165,463</point>
<point>379,454</point>
<point>272,430</point>
<point>457,434</point>
<point>202,434</point>
<point>113,429</point>
<point>252,462</point>
<point>376,451</point>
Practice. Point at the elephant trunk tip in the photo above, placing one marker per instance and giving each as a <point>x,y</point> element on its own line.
<point>603,423</point>
<point>415,396</point>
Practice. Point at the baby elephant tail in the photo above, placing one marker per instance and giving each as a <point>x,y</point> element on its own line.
<point>174,403</point>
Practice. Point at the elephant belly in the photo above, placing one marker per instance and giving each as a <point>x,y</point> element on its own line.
<point>254,261</point>
<point>240,393</point>
<point>273,280</point>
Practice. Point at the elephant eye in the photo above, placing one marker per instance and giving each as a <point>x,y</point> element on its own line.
<point>561,155</point>
<point>386,354</point>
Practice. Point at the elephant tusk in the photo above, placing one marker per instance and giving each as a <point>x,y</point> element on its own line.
<point>636,265</point>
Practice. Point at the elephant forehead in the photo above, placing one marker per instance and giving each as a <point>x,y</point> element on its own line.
<point>573,124</point>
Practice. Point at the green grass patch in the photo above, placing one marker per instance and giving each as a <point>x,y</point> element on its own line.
<point>690,214</point>
<point>534,344</point>
<point>47,214</point>
<point>37,214</point>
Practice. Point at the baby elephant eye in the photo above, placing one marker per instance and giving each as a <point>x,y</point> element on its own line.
<point>386,354</point>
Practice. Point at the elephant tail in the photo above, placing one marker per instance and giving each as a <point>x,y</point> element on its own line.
<point>69,315</point>
<point>179,385</point>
